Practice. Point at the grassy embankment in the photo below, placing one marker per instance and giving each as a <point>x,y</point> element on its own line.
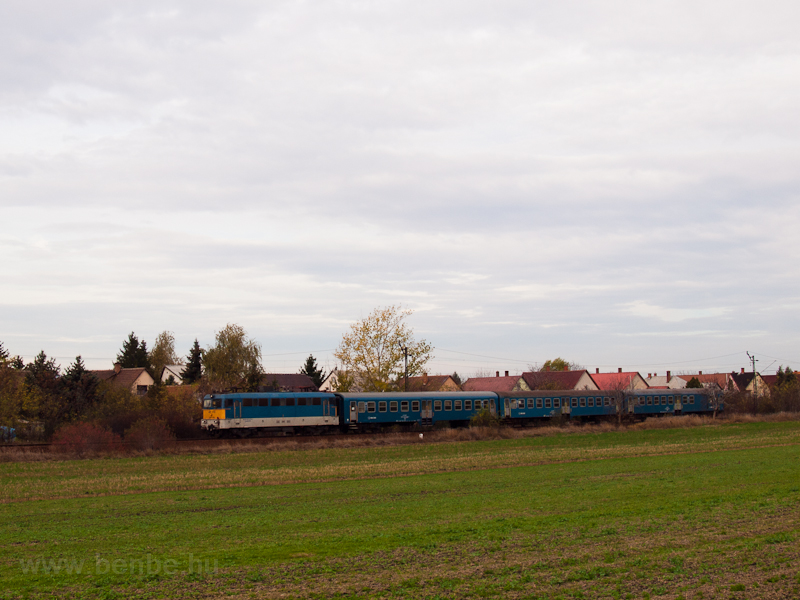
<point>693,513</point>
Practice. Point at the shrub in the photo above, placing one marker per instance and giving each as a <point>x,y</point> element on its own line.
<point>484,418</point>
<point>150,433</point>
<point>82,438</point>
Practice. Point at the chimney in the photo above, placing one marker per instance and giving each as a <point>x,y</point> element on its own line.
<point>699,372</point>
<point>619,369</point>
<point>118,368</point>
<point>669,376</point>
<point>597,370</point>
<point>497,373</point>
<point>649,375</point>
<point>506,373</point>
<point>424,378</point>
<point>742,370</point>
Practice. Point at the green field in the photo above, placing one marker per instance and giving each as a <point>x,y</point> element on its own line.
<point>707,512</point>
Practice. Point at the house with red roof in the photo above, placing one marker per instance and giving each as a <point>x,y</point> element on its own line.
<point>621,380</point>
<point>432,383</point>
<point>513,383</point>
<point>137,380</point>
<point>287,382</point>
<point>559,380</point>
<point>715,381</point>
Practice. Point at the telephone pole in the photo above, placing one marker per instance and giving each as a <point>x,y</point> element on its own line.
<point>755,382</point>
<point>405,362</point>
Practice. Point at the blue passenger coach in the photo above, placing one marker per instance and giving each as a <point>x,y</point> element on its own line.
<point>522,408</point>
<point>654,402</point>
<point>381,409</point>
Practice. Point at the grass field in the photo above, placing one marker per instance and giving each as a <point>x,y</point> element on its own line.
<point>706,512</point>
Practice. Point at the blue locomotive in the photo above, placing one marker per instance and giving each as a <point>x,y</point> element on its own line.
<point>257,413</point>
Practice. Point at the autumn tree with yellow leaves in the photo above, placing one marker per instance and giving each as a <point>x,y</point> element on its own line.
<point>372,353</point>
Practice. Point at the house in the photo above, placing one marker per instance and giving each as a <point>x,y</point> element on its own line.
<point>174,371</point>
<point>137,380</point>
<point>711,381</point>
<point>513,383</point>
<point>559,380</point>
<point>432,383</point>
<point>287,382</point>
<point>747,382</point>
<point>628,380</point>
<point>665,382</point>
<point>331,383</point>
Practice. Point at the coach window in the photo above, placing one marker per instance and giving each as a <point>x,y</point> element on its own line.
<point>538,403</point>
<point>547,403</point>
<point>448,405</point>
<point>415,406</point>
<point>591,401</point>
<point>362,407</point>
<point>690,400</point>
<point>556,402</point>
<point>317,401</point>
<point>583,401</point>
<point>575,402</point>
<point>672,399</point>
<point>393,406</point>
<point>371,407</point>
<point>437,405</point>
<point>457,404</point>
<point>641,400</point>
<point>381,406</point>
<point>649,400</point>
<point>514,403</point>
<point>663,399</point>
<point>467,404</point>
<point>404,406</point>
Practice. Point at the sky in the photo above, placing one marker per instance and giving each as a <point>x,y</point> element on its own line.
<point>613,183</point>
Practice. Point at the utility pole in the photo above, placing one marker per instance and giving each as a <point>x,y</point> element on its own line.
<point>405,361</point>
<point>755,383</point>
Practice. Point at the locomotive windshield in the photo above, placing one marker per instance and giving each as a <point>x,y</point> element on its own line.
<point>212,403</point>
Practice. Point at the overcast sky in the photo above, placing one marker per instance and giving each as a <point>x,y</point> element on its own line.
<point>615,183</point>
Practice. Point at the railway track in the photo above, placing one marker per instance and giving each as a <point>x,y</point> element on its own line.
<point>47,448</point>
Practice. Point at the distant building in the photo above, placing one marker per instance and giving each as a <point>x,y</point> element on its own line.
<point>629,381</point>
<point>431,383</point>
<point>750,382</point>
<point>559,380</point>
<point>137,380</point>
<point>287,382</point>
<point>173,371</point>
<point>711,381</point>
<point>513,383</point>
<point>665,382</point>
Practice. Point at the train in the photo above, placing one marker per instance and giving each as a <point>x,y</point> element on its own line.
<point>313,413</point>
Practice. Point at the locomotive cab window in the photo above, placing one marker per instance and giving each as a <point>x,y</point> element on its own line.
<point>381,406</point>
<point>415,406</point>
<point>393,406</point>
<point>404,406</point>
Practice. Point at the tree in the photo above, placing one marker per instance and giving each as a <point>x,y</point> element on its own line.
<point>163,354</point>
<point>194,365</point>
<point>457,378</point>
<point>3,354</point>
<point>78,390</point>
<point>694,383</point>
<point>310,368</point>
<point>559,364</point>
<point>234,362</point>
<point>42,380</point>
<point>374,348</point>
<point>133,354</point>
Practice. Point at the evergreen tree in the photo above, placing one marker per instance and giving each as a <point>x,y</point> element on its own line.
<point>3,354</point>
<point>457,378</point>
<point>42,380</point>
<point>311,369</point>
<point>194,364</point>
<point>79,390</point>
<point>133,353</point>
<point>694,382</point>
